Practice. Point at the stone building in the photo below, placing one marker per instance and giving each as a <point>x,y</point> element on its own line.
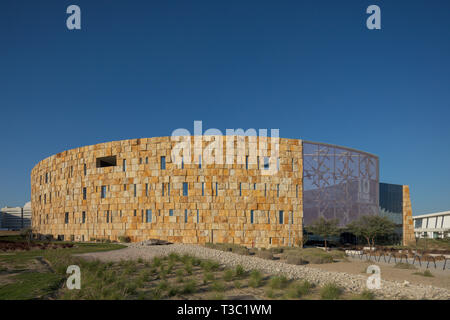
<point>257,191</point>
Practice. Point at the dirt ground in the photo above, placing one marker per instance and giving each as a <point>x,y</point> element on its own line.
<point>389,272</point>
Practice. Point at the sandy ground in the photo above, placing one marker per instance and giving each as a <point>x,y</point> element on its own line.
<point>389,272</point>
<point>353,266</point>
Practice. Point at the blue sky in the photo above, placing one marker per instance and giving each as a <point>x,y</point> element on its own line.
<point>310,68</point>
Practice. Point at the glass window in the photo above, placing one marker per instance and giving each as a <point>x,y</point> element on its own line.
<point>251,216</point>
<point>135,190</point>
<point>107,216</point>
<point>185,188</point>
<point>281,217</point>
<point>103,192</point>
<point>240,189</point>
<point>162,188</point>
<point>246,162</point>
<point>66,218</point>
<point>163,163</point>
<point>124,165</point>
<point>199,162</point>
<point>171,212</point>
<point>198,218</point>
<point>148,214</point>
<point>203,188</point>
<point>84,193</point>
<point>217,189</point>
<point>134,213</point>
<point>84,169</point>
<point>266,163</point>
<point>185,216</point>
<point>168,189</point>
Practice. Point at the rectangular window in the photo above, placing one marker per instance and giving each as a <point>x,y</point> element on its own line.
<point>281,217</point>
<point>146,160</point>
<point>268,217</point>
<point>84,169</point>
<point>199,162</point>
<point>46,178</point>
<point>163,163</point>
<point>240,189</point>
<point>140,160</point>
<point>84,193</point>
<point>185,188</point>
<point>251,216</point>
<point>124,187</point>
<point>66,218</point>
<point>148,216</point>
<point>106,162</point>
<point>45,198</point>
<point>296,190</point>
<point>162,188</point>
<point>146,189</point>
<point>134,213</point>
<point>254,186</point>
<point>246,162</point>
<point>107,216</point>
<point>217,189</point>
<point>103,192</point>
<point>135,190</point>
<point>124,165</point>
<point>278,190</point>
<point>168,189</point>
<point>83,217</point>
<point>203,188</point>
<point>185,216</point>
<point>182,162</point>
<point>171,212</point>
<point>198,218</point>
<point>266,163</point>
<point>257,161</point>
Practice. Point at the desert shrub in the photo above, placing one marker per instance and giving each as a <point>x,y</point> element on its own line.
<point>157,262</point>
<point>173,291</point>
<point>278,282</point>
<point>365,295</point>
<point>426,273</point>
<point>228,275</point>
<point>237,284</point>
<point>276,250</point>
<point>189,287</point>
<point>209,265</point>
<point>239,271</point>
<point>218,286</point>
<point>173,256</point>
<point>270,293</point>
<point>316,256</point>
<point>255,279</point>
<point>402,265</point>
<point>124,239</point>
<point>330,291</point>
<point>297,260</point>
<point>265,254</point>
<point>208,276</point>
<point>299,289</point>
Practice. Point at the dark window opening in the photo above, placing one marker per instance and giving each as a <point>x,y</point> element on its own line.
<point>106,162</point>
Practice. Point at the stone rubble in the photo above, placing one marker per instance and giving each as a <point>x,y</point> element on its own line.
<point>350,282</point>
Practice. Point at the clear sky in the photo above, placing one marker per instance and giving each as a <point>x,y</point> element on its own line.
<point>310,68</point>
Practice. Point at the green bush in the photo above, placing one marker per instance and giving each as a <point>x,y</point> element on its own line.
<point>239,271</point>
<point>264,254</point>
<point>402,265</point>
<point>124,239</point>
<point>228,275</point>
<point>299,289</point>
<point>311,255</point>
<point>255,279</point>
<point>218,286</point>
<point>189,287</point>
<point>278,282</point>
<point>330,291</point>
<point>366,295</point>
<point>237,284</point>
<point>297,260</point>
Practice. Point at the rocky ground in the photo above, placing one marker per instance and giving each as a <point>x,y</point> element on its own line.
<point>354,283</point>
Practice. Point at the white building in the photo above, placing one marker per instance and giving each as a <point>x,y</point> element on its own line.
<point>16,218</point>
<point>432,225</point>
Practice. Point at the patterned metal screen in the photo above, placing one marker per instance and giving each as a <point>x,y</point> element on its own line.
<point>338,183</point>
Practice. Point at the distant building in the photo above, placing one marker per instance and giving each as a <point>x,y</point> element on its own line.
<point>16,218</point>
<point>432,225</point>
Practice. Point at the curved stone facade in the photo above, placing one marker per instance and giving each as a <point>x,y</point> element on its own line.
<point>119,188</point>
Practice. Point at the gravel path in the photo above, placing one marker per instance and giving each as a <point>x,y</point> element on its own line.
<point>351,282</point>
